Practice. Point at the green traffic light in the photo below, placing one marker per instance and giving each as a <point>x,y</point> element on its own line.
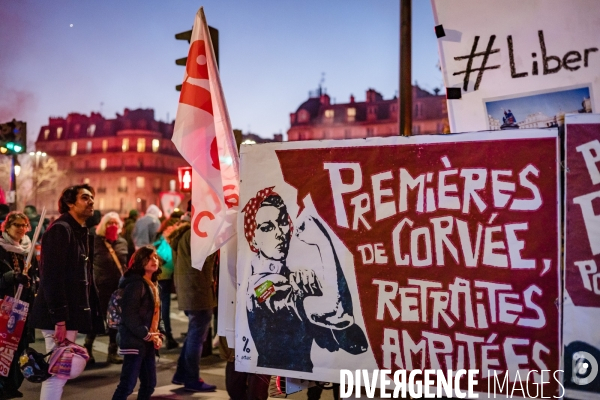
<point>17,148</point>
<point>10,146</point>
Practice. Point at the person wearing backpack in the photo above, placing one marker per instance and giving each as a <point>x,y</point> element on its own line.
<point>67,300</point>
<point>140,328</point>
<point>110,259</point>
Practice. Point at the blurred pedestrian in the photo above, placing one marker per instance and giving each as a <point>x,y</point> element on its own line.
<point>14,247</point>
<point>145,229</point>
<point>196,297</point>
<point>165,279</point>
<point>110,260</point>
<point>4,210</point>
<point>93,221</point>
<point>139,331</point>
<point>34,221</point>
<point>67,300</point>
<point>128,231</point>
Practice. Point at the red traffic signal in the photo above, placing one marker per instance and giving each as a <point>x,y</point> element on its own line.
<point>184,176</point>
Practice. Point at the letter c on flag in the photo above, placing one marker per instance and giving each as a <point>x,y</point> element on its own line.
<point>201,215</point>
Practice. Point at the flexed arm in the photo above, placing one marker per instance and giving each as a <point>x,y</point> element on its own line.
<point>312,232</point>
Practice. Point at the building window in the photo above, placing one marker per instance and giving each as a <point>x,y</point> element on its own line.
<point>59,132</point>
<point>123,184</point>
<point>91,129</point>
<point>104,145</point>
<point>351,113</point>
<point>141,145</point>
<point>302,116</point>
<point>155,145</point>
<point>418,109</point>
<point>88,146</point>
<point>329,114</point>
<point>101,203</point>
<point>74,149</point>
<point>86,181</point>
<point>172,184</point>
<point>46,133</point>
<point>125,144</point>
<point>139,182</point>
<point>102,164</point>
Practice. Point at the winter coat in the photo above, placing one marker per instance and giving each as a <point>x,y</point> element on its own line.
<point>137,305</point>
<point>145,229</point>
<point>163,249</point>
<point>106,271</point>
<point>67,291</point>
<point>195,289</point>
<point>8,284</point>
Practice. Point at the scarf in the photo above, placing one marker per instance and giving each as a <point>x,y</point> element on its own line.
<point>10,245</point>
<point>156,314</point>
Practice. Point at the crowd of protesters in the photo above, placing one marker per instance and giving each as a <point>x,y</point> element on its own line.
<point>84,260</point>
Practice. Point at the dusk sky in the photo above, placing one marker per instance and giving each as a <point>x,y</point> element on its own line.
<point>121,54</point>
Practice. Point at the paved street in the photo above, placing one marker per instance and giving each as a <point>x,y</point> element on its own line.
<point>100,381</point>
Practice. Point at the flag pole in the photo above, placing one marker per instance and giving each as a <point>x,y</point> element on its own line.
<point>405,92</point>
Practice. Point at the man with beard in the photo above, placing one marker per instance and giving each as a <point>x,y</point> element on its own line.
<point>67,301</point>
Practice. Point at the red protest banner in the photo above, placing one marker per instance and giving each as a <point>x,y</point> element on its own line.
<point>582,256</point>
<point>445,254</point>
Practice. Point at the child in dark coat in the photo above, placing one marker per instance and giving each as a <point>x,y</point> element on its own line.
<point>140,330</point>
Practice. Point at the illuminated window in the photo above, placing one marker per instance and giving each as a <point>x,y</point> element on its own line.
<point>351,113</point>
<point>125,145</point>
<point>59,132</point>
<point>141,145</point>
<point>73,148</point>
<point>102,164</point>
<point>46,133</point>
<point>91,129</point>
<point>155,145</point>
<point>329,114</point>
<point>101,203</point>
<point>139,182</point>
<point>88,146</point>
<point>104,145</point>
<point>86,180</point>
<point>123,182</point>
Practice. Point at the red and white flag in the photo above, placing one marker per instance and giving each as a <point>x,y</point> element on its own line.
<point>204,137</point>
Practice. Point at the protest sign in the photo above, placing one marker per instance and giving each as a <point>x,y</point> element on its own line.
<point>582,256</point>
<point>426,252</point>
<point>13,313</point>
<point>514,65</point>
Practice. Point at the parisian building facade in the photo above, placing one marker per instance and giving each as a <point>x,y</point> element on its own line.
<point>129,160</point>
<point>317,118</point>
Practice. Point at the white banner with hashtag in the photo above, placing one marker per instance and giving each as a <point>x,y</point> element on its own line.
<point>515,65</point>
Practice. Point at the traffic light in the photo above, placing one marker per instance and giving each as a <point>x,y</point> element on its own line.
<point>13,137</point>
<point>187,35</point>
<point>184,176</point>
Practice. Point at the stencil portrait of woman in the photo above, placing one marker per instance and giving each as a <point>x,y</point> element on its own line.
<point>281,328</point>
